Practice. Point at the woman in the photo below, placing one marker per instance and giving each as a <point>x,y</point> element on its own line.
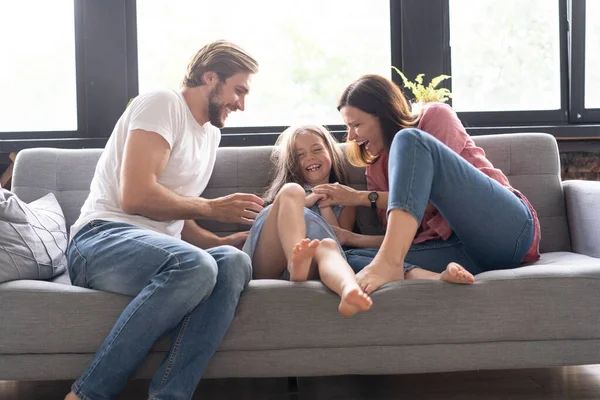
<point>445,201</point>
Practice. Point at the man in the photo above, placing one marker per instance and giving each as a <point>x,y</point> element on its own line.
<point>144,199</point>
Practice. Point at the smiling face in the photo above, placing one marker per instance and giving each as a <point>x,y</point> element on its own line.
<point>364,129</point>
<point>227,96</point>
<point>314,158</point>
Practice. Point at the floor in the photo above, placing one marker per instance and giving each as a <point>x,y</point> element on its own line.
<point>570,383</point>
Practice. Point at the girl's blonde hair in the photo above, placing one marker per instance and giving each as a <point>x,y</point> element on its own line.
<point>287,167</point>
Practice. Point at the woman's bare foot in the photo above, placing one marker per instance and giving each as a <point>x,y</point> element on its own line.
<point>378,273</point>
<point>302,256</point>
<point>71,396</point>
<point>353,301</point>
<point>456,273</point>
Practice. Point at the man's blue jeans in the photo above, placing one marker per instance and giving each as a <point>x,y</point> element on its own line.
<point>492,227</point>
<point>177,288</point>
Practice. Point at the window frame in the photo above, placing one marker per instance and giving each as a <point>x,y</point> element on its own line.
<point>577,37</point>
<point>436,16</point>
<point>106,75</point>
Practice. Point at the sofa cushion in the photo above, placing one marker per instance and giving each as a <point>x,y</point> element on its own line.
<point>34,238</point>
<point>68,173</point>
<point>552,300</point>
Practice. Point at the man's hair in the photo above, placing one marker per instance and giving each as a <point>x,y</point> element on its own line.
<point>222,57</point>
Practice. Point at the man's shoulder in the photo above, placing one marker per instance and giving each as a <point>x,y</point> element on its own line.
<point>166,96</point>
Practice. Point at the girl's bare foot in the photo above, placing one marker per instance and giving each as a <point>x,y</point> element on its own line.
<point>378,273</point>
<point>302,256</point>
<point>455,273</point>
<point>353,301</point>
<point>71,396</point>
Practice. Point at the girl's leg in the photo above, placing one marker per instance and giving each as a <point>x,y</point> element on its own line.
<point>493,224</point>
<point>337,275</point>
<point>283,240</point>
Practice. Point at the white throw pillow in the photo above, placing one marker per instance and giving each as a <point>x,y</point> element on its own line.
<point>33,238</point>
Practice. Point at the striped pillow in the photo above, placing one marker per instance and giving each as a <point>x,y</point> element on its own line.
<point>33,239</point>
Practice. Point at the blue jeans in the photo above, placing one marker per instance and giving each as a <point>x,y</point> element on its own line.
<point>177,288</point>
<point>492,227</point>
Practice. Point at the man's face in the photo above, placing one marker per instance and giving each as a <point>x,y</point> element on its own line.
<point>228,96</point>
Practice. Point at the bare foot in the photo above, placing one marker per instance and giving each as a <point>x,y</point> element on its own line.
<point>378,273</point>
<point>455,273</point>
<point>302,256</point>
<point>71,396</point>
<point>353,301</point>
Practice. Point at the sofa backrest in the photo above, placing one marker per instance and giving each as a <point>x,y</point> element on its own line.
<point>530,161</point>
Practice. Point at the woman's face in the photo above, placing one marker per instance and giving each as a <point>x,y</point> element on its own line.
<point>364,129</point>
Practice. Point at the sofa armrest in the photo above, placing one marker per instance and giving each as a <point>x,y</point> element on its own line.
<point>583,211</point>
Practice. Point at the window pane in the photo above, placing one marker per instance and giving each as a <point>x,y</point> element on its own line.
<point>505,55</point>
<point>592,54</point>
<point>37,72</point>
<point>308,51</point>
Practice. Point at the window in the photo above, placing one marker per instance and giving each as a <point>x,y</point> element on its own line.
<point>308,51</point>
<point>39,82</point>
<point>505,55</point>
<point>592,54</point>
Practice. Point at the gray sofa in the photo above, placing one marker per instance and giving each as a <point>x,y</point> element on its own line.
<point>539,315</point>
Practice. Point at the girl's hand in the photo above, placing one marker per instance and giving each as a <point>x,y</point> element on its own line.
<point>312,198</point>
<point>343,235</point>
<point>336,194</point>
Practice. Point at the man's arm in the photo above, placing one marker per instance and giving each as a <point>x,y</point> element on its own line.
<point>144,159</point>
<point>200,237</point>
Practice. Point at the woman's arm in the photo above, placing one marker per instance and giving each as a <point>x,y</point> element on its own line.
<point>337,194</point>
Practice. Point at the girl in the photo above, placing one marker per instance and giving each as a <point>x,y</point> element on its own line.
<point>280,239</point>
<point>445,201</point>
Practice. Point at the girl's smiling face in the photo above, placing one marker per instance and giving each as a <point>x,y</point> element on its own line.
<point>314,158</point>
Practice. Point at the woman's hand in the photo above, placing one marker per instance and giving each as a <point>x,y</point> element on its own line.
<point>312,198</point>
<point>336,194</point>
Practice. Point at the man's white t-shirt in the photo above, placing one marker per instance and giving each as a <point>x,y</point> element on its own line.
<point>193,153</point>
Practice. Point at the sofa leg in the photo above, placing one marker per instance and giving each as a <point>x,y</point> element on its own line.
<point>293,384</point>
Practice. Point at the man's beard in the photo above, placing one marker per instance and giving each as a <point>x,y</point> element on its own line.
<point>215,109</point>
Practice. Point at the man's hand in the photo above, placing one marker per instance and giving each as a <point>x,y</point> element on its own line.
<point>343,235</point>
<point>240,208</point>
<point>236,240</point>
<point>336,194</point>
<point>312,198</point>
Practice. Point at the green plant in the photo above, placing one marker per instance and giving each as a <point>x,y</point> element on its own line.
<point>429,93</point>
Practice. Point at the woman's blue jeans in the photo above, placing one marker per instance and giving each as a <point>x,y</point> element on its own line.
<point>177,288</point>
<point>492,227</point>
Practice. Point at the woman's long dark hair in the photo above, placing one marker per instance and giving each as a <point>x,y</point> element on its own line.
<point>381,98</point>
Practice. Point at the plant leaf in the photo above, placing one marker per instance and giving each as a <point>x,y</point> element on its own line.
<point>436,81</point>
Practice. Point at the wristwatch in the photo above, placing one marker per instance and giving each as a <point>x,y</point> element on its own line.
<point>373,196</point>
